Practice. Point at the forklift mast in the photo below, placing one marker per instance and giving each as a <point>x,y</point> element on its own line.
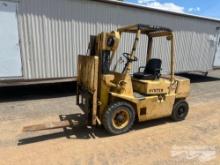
<point>96,64</point>
<point>104,46</point>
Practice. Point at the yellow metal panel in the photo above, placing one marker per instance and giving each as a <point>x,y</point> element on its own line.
<point>151,87</point>
<point>183,87</point>
<point>88,72</point>
<point>156,107</point>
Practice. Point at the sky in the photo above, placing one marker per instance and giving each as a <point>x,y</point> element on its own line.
<point>208,8</point>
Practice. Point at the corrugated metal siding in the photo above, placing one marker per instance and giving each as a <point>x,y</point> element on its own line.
<point>54,32</point>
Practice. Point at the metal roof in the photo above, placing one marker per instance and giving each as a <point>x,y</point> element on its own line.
<point>133,5</point>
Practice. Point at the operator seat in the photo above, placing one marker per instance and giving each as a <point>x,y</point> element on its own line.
<point>151,71</point>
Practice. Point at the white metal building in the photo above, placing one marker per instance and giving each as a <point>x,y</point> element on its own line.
<point>40,39</point>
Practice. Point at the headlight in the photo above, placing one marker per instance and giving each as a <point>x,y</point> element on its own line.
<point>110,42</point>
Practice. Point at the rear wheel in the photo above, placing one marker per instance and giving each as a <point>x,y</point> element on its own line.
<point>180,110</point>
<point>119,118</point>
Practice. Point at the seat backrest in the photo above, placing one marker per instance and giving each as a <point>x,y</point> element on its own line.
<point>153,66</point>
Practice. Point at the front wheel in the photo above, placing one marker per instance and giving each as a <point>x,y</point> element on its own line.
<point>180,110</point>
<point>119,118</point>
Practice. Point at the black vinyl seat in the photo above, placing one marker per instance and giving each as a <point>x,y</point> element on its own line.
<point>151,71</point>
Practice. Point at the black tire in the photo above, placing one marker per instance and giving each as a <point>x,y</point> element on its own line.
<point>180,110</point>
<point>115,115</point>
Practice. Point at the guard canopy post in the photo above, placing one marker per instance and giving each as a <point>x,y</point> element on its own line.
<point>149,48</point>
<point>132,55</point>
<point>172,58</point>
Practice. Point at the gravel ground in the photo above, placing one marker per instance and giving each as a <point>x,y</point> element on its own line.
<point>193,141</point>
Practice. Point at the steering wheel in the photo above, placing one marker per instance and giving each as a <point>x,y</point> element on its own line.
<point>127,56</point>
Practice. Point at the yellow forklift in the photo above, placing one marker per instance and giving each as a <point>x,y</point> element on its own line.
<point>115,99</point>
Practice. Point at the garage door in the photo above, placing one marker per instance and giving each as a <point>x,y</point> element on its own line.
<point>217,54</point>
<point>10,59</point>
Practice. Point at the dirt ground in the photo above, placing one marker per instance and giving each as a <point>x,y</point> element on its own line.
<point>193,141</point>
